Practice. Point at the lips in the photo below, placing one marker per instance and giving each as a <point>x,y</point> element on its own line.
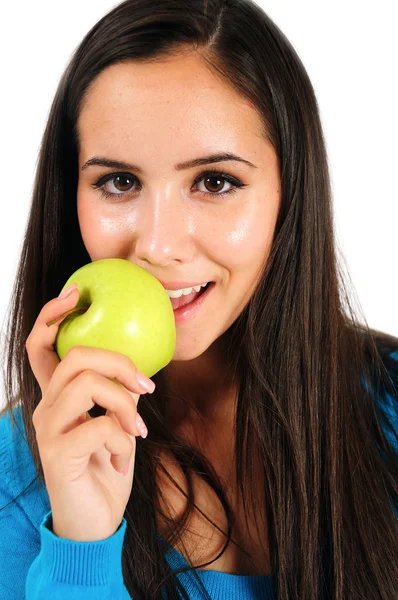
<point>183,300</point>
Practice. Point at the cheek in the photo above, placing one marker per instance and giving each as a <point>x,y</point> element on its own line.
<point>104,235</point>
<point>246,245</point>
<point>242,243</point>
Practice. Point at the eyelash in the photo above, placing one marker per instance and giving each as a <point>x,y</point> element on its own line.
<point>232,180</point>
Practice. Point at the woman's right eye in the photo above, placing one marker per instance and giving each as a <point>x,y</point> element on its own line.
<point>120,179</point>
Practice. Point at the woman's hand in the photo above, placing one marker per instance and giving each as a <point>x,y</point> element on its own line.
<point>83,457</point>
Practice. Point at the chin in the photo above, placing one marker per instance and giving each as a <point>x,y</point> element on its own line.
<point>188,351</point>
<point>193,346</point>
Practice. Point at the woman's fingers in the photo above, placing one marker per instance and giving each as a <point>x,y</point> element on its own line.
<point>90,388</point>
<point>80,443</point>
<point>108,363</point>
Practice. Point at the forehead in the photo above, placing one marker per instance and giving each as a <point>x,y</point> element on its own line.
<point>175,100</point>
<point>182,85</point>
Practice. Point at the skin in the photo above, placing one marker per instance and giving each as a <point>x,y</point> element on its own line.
<point>155,116</point>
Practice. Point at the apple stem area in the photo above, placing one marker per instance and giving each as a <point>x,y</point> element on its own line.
<point>69,312</point>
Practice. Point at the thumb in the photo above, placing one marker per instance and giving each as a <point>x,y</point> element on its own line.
<point>40,342</point>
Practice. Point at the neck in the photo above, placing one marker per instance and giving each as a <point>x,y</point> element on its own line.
<point>201,390</point>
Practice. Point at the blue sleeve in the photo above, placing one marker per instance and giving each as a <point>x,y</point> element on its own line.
<point>69,570</point>
<point>34,562</point>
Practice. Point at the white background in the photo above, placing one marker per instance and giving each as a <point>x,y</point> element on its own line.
<point>349,49</point>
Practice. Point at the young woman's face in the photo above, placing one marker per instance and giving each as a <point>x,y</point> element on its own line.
<point>156,116</point>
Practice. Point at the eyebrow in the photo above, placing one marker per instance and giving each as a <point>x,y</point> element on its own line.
<point>189,164</point>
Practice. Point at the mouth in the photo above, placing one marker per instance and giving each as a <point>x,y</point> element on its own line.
<point>190,303</point>
<point>189,298</point>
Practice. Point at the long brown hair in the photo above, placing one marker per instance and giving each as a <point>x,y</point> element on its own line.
<point>312,378</point>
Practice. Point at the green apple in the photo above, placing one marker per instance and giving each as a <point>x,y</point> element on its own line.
<point>122,308</point>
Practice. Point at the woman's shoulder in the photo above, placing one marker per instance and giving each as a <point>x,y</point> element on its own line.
<point>12,433</point>
<point>15,454</point>
<point>17,468</point>
<point>383,384</point>
<point>388,398</point>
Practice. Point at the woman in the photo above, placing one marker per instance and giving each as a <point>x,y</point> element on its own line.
<point>268,467</point>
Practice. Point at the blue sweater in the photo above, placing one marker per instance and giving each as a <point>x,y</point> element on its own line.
<point>35,564</point>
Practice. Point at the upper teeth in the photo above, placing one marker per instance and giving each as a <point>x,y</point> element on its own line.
<point>185,291</point>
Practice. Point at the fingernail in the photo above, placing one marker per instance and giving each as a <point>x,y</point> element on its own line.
<point>146,384</point>
<point>68,290</point>
<point>141,426</point>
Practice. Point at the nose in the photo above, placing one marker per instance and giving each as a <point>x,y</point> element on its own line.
<point>163,232</point>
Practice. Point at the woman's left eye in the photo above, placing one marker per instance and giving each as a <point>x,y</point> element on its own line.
<point>216,179</point>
